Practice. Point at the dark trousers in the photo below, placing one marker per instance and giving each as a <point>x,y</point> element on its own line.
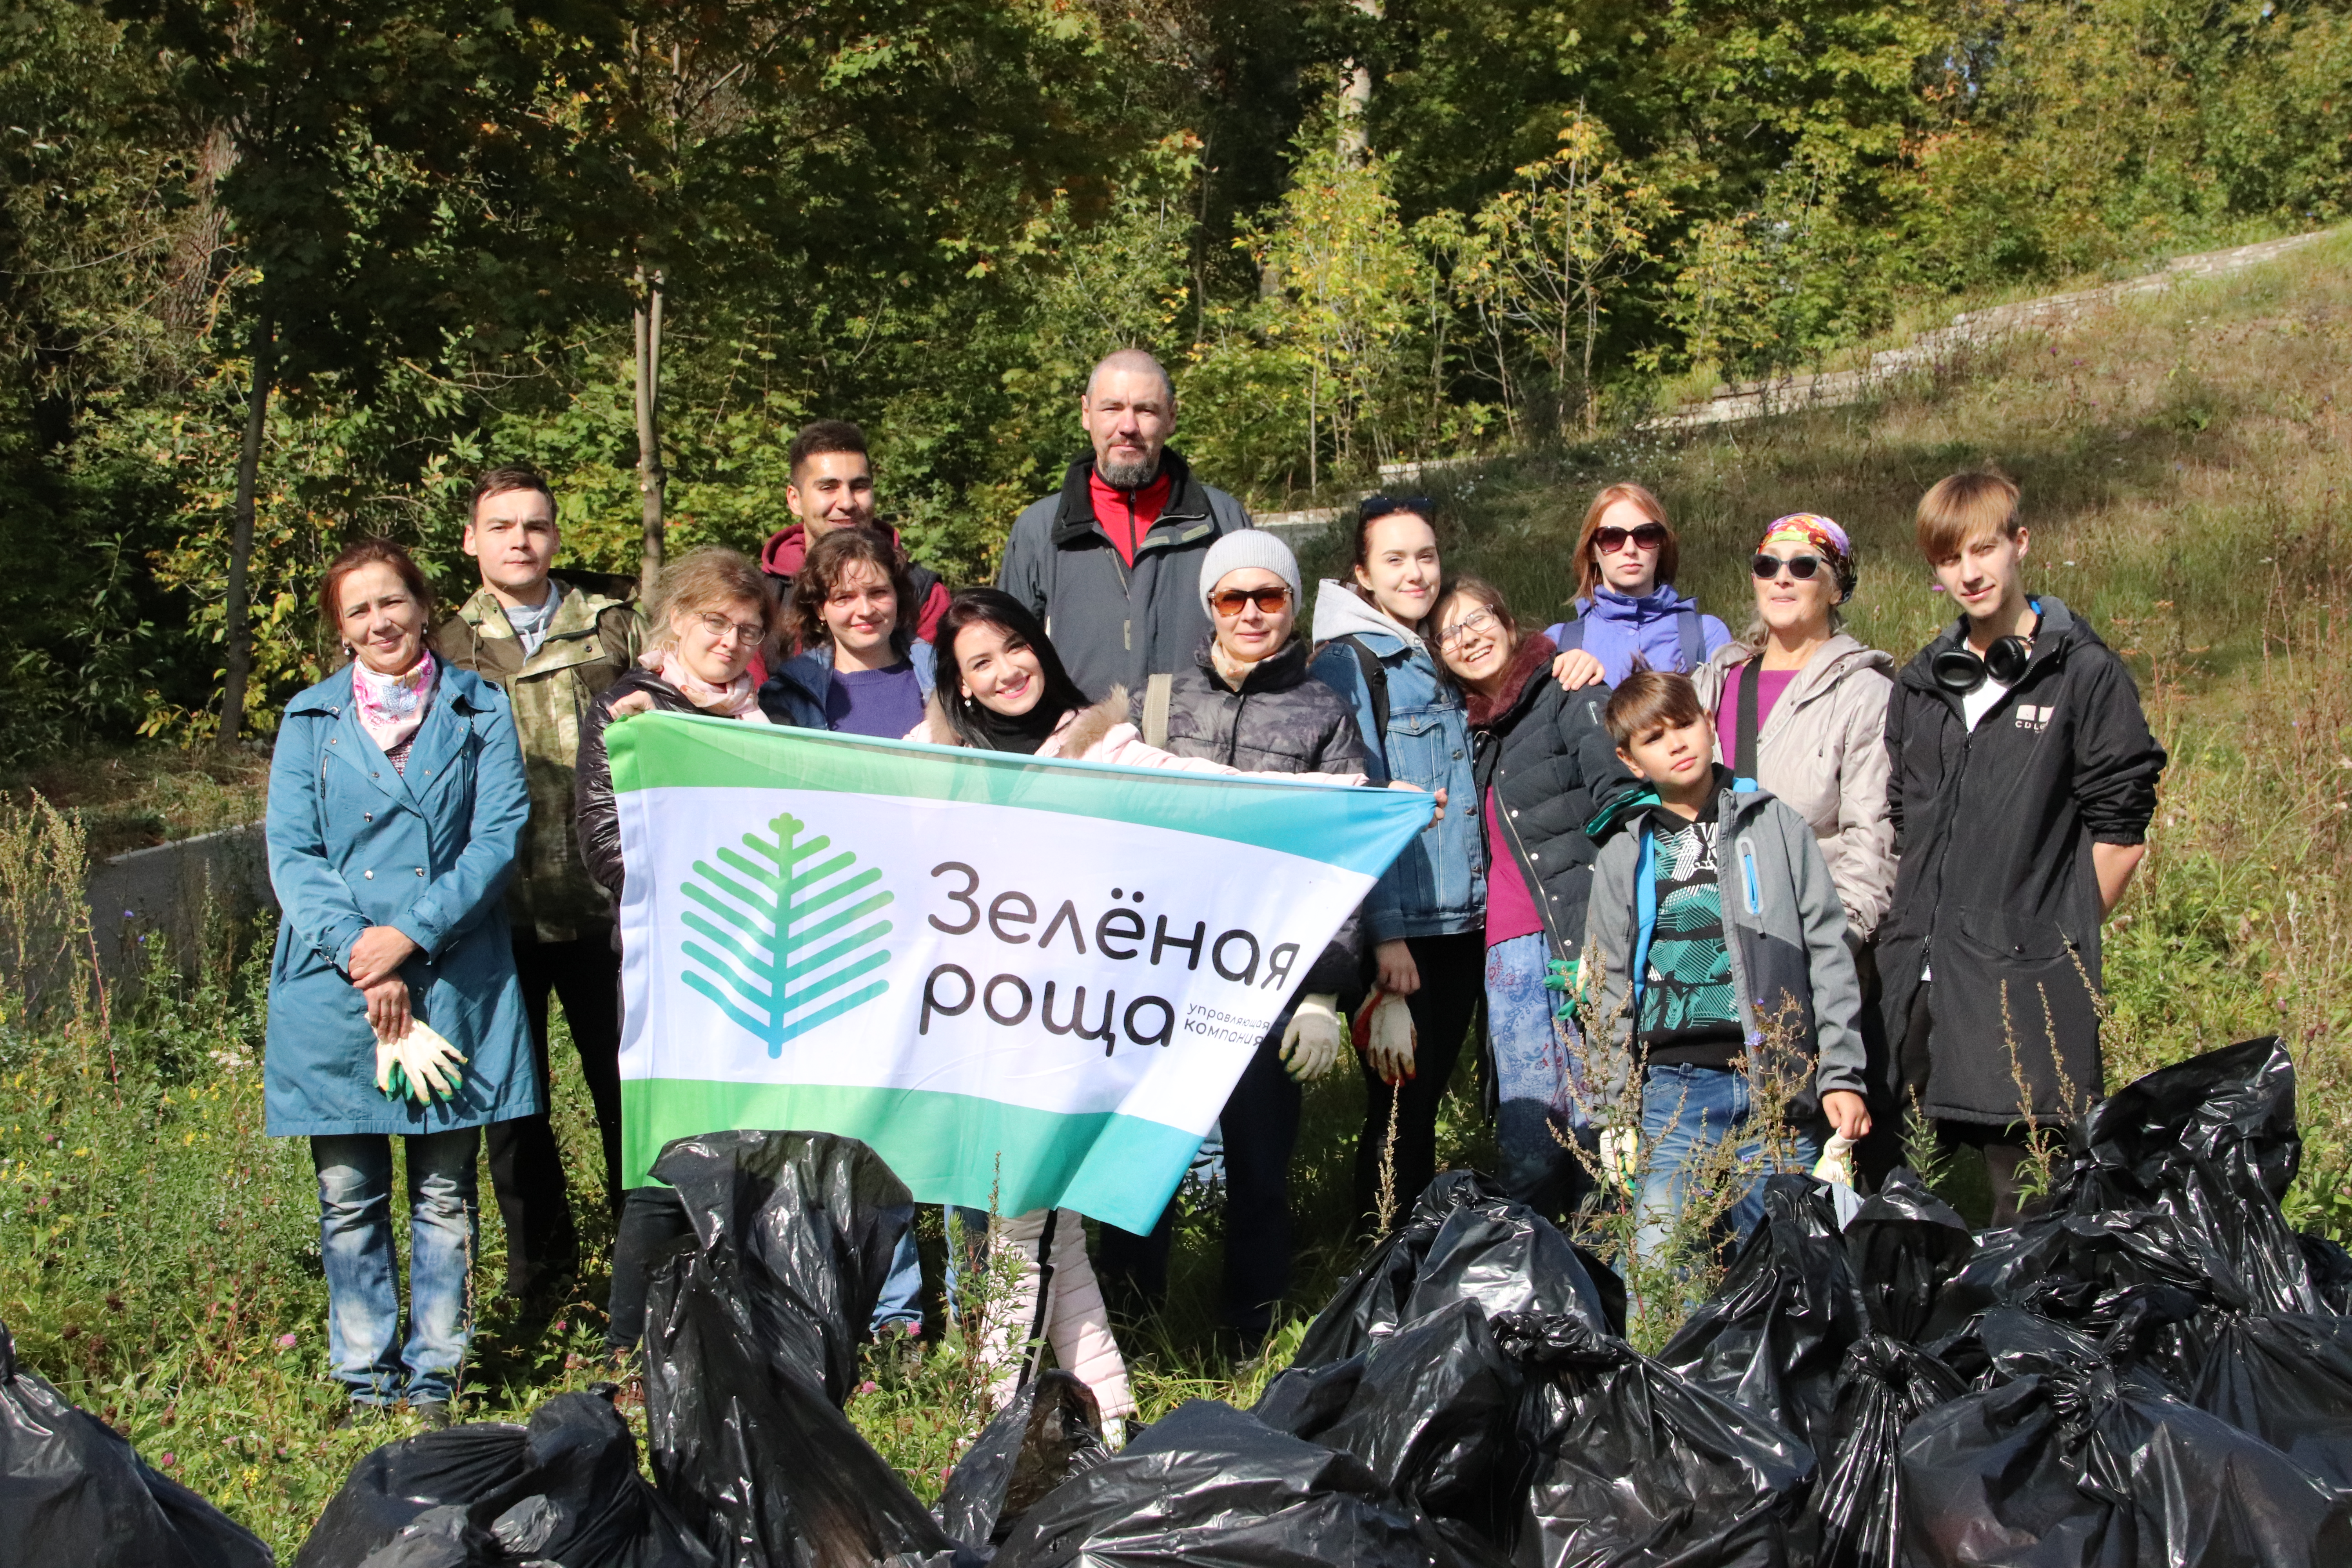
<point>1885,1090</point>
<point>526,1166</point>
<point>1260,1124</point>
<point>1452,980</point>
<point>2003,1146</point>
<point>653,1221</point>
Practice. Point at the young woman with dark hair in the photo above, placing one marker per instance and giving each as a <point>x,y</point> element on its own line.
<point>1425,915</point>
<point>860,670</point>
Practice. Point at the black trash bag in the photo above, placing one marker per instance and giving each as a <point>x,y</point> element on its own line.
<point>2331,1272</point>
<point>1903,1244</point>
<point>72,1490</point>
<point>2286,1378</point>
<point>1775,1335</point>
<point>1649,1469</point>
<point>563,1488</point>
<point>764,1467</point>
<point>441,1537</point>
<point>1464,1240</point>
<point>1435,1410</point>
<point>2008,1342</point>
<point>2075,1267</point>
<point>2212,1142</point>
<point>1856,1519</point>
<point>1051,1431</point>
<point>815,1219</point>
<point>2073,1469</point>
<point>1208,1486</point>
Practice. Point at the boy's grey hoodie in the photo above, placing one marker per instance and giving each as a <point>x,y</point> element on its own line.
<point>1782,918</point>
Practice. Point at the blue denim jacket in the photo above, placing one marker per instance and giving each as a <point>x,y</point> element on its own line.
<point>1437,886</point>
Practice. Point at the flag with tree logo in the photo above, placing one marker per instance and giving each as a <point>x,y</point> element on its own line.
<point>1023,982</point>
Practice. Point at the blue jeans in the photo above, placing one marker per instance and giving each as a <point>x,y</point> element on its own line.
<point>1685,1112</point>
<point>1537,1091</point>
<point>901,1296</point>
<point>363,1262</point>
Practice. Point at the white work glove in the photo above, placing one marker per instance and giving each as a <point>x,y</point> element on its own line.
<point>1621,1155</point>
<point>1387,1040</point>
<point>1311,1043</point>
<point>418,1061</point>
<point>1836,1163</point>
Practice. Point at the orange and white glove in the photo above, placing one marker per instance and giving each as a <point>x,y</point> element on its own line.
<point>1384,1033</point>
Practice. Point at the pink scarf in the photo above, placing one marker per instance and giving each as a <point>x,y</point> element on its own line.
<point>391,707</point>
<point>738,698</point>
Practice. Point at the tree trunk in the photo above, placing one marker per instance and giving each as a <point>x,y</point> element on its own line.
<point>235,618</point>
<point>651,477</point>
<point>1355,102</point>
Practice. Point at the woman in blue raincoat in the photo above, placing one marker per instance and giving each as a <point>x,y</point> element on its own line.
<point>396,800</point>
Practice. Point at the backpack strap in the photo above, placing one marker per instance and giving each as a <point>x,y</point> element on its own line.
<point>1376,683</point>
<point>1158,691</point>
<point>1693,635</point>
<point>1744,722</point>
<point>1572,635</point>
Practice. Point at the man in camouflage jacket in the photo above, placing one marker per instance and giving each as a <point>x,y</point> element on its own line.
<point>552,642</point>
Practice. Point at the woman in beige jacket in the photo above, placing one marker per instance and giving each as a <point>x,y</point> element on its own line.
<point>1801,708</point>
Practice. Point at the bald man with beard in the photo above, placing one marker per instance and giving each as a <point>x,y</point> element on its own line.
<point>1112,562</point>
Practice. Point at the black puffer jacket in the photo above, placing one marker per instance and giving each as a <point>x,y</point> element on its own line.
<point>591,801</point>
<point>1282,720</point>
<point>1547,757</point>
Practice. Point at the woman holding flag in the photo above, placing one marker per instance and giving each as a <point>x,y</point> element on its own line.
<point>1003,688</point>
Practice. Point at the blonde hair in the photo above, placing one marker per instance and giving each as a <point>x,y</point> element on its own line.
<point>1587,568</point>
<point>1961,507</point>
<point>704,579</point>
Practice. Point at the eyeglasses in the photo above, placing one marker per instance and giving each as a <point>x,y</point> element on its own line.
<point>1383,506</point>
<point>1648,536</point>
<point>1802,567</point>
<point>1230,601</point>
<point>720,628</point>
<point>1476,622</point>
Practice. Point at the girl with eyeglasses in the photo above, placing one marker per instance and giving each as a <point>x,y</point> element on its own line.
<point>1626,606</point>
<point>711,615</point>
<point>1426,915</point>
<point>1801,708</point>
<point>1545,767</point>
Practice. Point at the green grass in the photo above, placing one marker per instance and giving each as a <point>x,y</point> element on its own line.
<point>2184,459</point>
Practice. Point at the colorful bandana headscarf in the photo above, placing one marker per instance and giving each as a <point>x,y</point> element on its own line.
<point>1825,537</point>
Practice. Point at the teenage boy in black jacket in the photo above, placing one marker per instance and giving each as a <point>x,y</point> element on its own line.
<point>2023,777</point>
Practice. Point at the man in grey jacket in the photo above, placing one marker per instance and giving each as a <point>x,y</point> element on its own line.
<point>1716,969</point>
<point>1111,562</point>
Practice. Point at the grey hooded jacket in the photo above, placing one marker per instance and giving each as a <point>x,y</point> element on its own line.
<point>1116,625</point>
<point>1786,928</point>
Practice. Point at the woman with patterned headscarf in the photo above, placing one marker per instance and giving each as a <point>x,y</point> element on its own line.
<point>1801,708</point>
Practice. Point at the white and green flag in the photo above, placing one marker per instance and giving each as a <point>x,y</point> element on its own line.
<point>1022,982</point>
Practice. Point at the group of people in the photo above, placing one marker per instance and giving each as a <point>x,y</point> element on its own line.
<point>1681,875</point>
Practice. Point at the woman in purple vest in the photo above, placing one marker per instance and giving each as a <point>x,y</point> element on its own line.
<point>1626,606</point>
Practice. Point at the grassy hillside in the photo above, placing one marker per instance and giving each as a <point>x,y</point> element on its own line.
<point>2184,460</point>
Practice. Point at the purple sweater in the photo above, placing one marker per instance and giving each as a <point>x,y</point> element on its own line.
<point>1617,627</point>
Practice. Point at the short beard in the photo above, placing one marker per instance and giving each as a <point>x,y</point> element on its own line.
<point>1128,476</point>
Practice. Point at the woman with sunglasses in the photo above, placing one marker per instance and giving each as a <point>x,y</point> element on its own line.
<point>712,613</point>
<point>1003,688</point>
<point>1545,767</point>
<point>1249,701</point>
<point>1801,708</point>
<point>1426,913</point>
<point>1626,606</point>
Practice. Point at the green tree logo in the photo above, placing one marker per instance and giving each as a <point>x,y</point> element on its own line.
<point>775,932</point>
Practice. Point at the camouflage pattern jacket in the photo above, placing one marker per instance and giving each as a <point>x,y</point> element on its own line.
<point>592,642</point>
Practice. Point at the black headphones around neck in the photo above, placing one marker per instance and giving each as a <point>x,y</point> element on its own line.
<point>1959,672</point>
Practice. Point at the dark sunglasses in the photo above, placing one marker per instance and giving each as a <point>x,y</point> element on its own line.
<point>1229,601</point>
<point>1649,536</point>
<point>1802,567</point>
<point>1383,506</point>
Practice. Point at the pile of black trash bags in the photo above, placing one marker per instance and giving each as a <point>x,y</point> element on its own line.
<point>2155,1372</point>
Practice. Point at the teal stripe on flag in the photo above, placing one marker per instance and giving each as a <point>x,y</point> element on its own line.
<point>1358,829</point>
<point>947,1147</point>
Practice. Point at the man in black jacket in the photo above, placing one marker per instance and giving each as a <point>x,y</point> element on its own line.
<point>2023,776</point>
<point>1111,561</point>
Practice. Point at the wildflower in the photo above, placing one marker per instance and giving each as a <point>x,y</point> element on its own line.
<point>869,1386</point>
<point>169,1460</point>
<point>286,1341</point>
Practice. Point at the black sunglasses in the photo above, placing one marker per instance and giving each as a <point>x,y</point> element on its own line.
<point>1649,536</point>
<point>1376,507</point>
<point>1802,567</point>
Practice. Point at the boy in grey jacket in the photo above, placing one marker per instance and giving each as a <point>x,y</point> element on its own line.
<point>1716,962</point>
